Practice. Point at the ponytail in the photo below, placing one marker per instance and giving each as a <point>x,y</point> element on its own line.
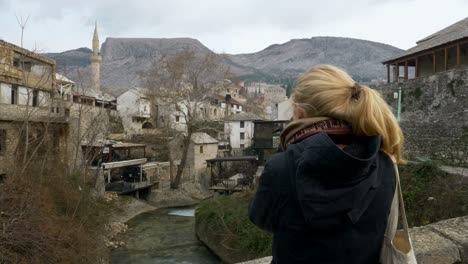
<point>329,91</point>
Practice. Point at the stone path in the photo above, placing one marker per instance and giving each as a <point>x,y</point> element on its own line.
<point>455,170</point>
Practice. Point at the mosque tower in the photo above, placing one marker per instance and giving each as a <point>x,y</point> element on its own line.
<point>96,62</point>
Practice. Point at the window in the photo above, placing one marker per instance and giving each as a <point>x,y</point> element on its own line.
<point>14,94</point>
<point>16,62</point>
<point>242,146</point>
<point>242,125</point>
<point>242,135</point>
<point>2,142</point>
<point>35,98</point>
<point>27,65</point>
<point>177,119</point>
<point>201,149</point>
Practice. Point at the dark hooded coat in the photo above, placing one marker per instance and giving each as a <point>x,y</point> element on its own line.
<point>326,204</point>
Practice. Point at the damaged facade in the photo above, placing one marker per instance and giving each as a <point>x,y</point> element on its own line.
<point>33,119</point>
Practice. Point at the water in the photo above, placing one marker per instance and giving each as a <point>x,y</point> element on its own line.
<point>163,237</point>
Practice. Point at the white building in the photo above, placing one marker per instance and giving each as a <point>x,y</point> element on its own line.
<point>134,108</point>
<point>285,110</point>
<point>239,129</point>
<point>272,90</point>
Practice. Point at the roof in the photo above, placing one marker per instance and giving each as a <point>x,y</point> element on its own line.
<point>203,138</point>
<point>100,96</point>
<point>239,158</point>
<point>59,77</point>
<point>243,116</point>
<point>140,92</point>
<point>233,101</point>
<point>113,143</point>
<point>271,121</point>
<point>449,34</point>
<point>27,52</point>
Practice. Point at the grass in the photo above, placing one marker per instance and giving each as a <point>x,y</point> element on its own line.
<point>430,195</point>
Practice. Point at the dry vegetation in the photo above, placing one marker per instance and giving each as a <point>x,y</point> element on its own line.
<point>54,220</point>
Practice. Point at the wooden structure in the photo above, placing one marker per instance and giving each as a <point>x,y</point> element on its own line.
<point>266,138</point>
<point>130,176</point>
<point>232,174</point>
<point>97,153</point>
<point>444,50</point>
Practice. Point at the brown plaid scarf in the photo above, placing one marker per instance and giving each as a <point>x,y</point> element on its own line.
<point>300,129</point>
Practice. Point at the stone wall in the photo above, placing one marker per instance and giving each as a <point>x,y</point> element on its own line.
<point>52,139</point>
<point>434,115</point>
<point>444,242</point>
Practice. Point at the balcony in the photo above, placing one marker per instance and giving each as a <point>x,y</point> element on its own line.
<point>46,114</point>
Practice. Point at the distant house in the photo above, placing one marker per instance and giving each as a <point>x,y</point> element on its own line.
<point>239,129</point>
<point>444,50</point>
<point>202,148</point>
<point>134,108</point>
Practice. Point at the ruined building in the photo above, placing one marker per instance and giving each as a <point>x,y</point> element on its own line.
<point>33,119</point>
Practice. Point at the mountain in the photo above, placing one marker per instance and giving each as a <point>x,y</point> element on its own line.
<point>124,59</point>
<point>361,58</point>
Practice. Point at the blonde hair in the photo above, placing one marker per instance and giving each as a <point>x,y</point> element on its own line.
<point>328,91</point>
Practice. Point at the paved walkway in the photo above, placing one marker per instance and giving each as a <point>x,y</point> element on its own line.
<point>455,170</point>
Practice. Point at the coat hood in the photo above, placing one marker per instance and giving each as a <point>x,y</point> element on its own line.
<point>330,181</point>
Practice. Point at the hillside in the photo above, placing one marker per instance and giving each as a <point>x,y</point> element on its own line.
<point>361,58</point>
<point>124,59</point>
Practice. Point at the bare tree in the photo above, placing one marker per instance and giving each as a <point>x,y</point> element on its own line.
<point>182,86</point>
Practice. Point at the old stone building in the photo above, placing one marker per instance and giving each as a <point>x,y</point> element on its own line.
<point>434,102</point>
<point>202,147</point>
<point>33,119</point>
<point>134,108</point>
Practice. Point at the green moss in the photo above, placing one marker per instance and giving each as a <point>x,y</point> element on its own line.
<point>416,92</point>
<point>455,83</point>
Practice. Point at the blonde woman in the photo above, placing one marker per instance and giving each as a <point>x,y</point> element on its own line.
<point>327,197</point>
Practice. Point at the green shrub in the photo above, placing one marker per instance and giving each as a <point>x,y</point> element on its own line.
<point>227,216</point>
<point>431,194</point>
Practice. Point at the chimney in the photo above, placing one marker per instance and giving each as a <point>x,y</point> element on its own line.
<point>227,99</point>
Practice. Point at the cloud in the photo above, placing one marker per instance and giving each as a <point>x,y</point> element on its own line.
<point>228,25</point>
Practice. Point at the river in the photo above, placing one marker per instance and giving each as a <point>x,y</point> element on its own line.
<point>163,236</point>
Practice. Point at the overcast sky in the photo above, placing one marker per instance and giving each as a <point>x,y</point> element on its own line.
<point>231,26</point>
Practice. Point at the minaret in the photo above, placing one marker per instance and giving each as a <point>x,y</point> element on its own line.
<point>96,61</point>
